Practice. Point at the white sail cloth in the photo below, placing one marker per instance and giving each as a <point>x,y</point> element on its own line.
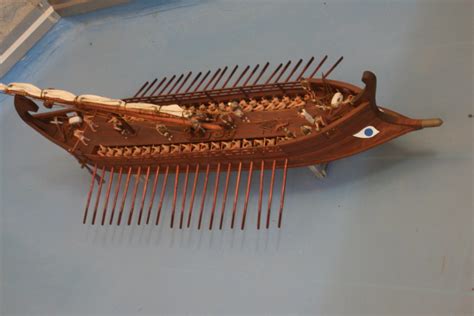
<point>61,96</point>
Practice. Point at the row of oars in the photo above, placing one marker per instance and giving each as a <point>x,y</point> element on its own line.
<point>116,209</point>
<point>167,86</point>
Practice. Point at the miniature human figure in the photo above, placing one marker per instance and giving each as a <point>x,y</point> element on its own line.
<point>299,101</point>
<point>274,104</point>
<point>127,152</point>
<point>237,110</point>
<point>203,108</point>
<point>118,152</point>
<point>303,113</point>
<point>146,150</point>
<point>245,106</point>
<point>212,108</point>
<point>110,152</point>
<point>196,126</point>
<point>286,100</point>
<point>137,151</point>
<point>186,148</point>
<point>155,150</point>
<point>227,120</point>
<point>306,129</point>
<point>253,103</point>
<point>88,119</point>
<point>318,122</point>
<point>79,134</point>
<point>163,130</point>
<point>102,150</point>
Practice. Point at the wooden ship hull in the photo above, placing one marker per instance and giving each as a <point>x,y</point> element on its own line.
<point>284,122</point>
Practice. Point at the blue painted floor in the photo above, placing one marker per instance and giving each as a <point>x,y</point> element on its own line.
<point>389,232</point>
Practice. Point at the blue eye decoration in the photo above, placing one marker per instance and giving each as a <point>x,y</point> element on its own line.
<point>367,132</point>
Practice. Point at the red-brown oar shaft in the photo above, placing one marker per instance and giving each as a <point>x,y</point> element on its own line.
<point>333,67</point>
<point>89,195</point>
<point>193,82</point>
<point>251,75</point>
<point>282,195</point>
<point>293,70</point>
<point>224,198</point>
<point>153,192</point>
<point>236,196</point>
<point>124,196</point>
<point>99,191</point>
<point>305,68</point>
<point>318,66</point>
<point>175,195</point>
<point>261,73</point>
<point>116,195</point>
<point>107,195</point>
<point>142,203</point>
<point>162,196</point>
<point>216,189</point>
<point>270,196</point>
<point>273,73</point>
<point>149,87</point>
<point>183,202</point>
<point>247,195</point>
<point>212,79</point>
<point>134,195</point>
<point>202,81</point>
<point>193,192</point>
<point>220,77</point>
<point>184,82</point>
<point>140,90</point>
<point>260,194</point>
<point>167,85</point>
<point>230,76</point>
<point>283,71</point>
<point>175,84</point>
<point>241,76</point>
<point>203,199</point>
<point>158,86</point>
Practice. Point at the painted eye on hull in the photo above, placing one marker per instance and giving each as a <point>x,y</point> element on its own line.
<point>367,132</point>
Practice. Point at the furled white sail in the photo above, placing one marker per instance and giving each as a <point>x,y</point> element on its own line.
<point>65,97</point>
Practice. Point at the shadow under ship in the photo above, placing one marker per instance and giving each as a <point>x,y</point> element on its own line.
<point>210,123</point>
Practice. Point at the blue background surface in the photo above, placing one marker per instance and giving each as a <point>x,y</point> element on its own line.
<point>389,232</point>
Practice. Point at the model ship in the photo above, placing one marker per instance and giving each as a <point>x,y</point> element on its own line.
<point>210,123</point>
